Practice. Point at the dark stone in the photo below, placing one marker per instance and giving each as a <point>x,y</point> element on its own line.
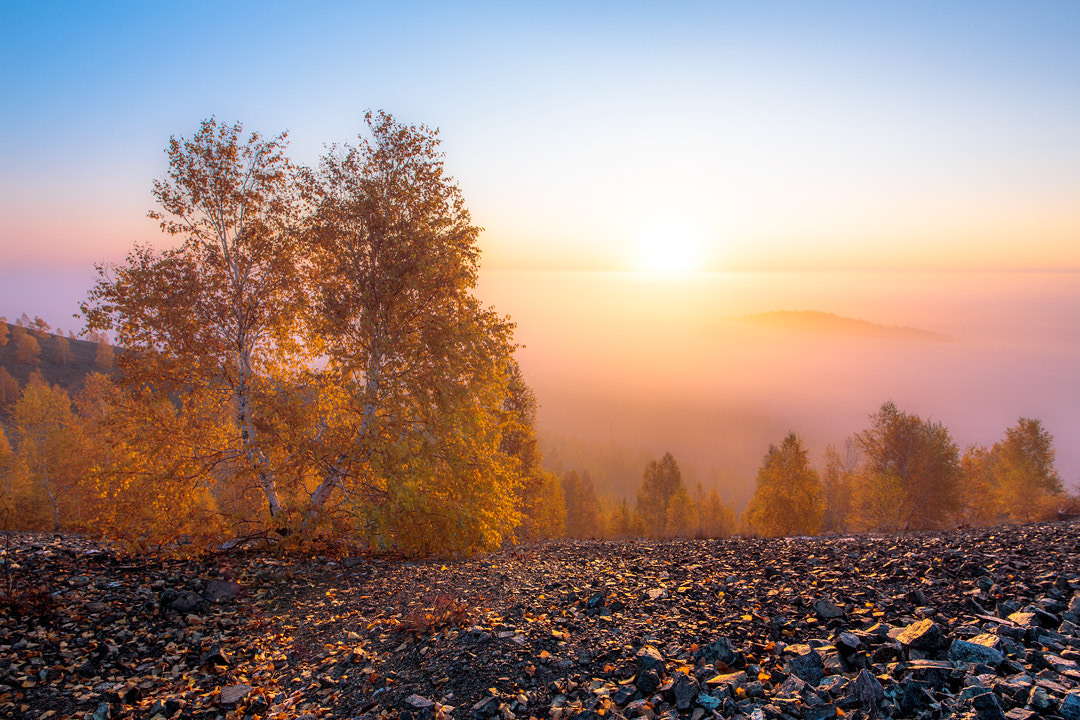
<point>720,650</point>
<point>232,694</point>
<point>595,601</point>
<point>806,664</point>
<point>647,681</point>
<point>847,643</point>
<point>639,709</point>
<point>985,706</point>
<point>214,656</point>
<point>1070,706</point>
<point>865,691</point>
<point>487,707</point>
<point>826,610</point>
<point>974,652</point>
<point>649,658</point>
<point>913,695</point>
<point>685,689</point>
<point>183,601</point>
<point>218,591</point>
<point>624,694</point>
<point>884,654</point>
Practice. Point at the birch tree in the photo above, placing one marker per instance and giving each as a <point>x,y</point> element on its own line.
<point>214,314</point>
<point>418,370</point>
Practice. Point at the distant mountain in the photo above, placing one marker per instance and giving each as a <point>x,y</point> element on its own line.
<point>823,322</point>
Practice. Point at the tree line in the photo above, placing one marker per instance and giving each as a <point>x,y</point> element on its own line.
<point>906,473</point>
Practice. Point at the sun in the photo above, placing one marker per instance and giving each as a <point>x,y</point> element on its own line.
<point>669,244</point>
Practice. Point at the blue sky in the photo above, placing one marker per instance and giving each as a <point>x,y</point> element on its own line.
<point>806,134</point>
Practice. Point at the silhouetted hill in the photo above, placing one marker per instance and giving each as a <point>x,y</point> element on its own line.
<point>68,375</point>
<point>823,322</point>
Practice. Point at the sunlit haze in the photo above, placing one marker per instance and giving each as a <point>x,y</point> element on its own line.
<point>651,179</point>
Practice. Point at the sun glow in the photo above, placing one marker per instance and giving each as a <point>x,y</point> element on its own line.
<point>669,244</point>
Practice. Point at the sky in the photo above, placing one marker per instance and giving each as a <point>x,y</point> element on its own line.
<point>683,142</point>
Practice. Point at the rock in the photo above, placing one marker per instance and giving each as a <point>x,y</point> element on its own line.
<point>807,664</point>
<point>826,610</point>
<point>1070,706</point>
<point>685,689</point>
<point>647,681</point>
<point>418,702</point>
<point>640,709</point>
<point>973,652</point>
<point>865,691</point>
<point>487,707</point>
<point>184,601</point>
<point>649,658</point>
<point>985,706</point>
<point>719,650</point>
<point>709,702</point>
<point>922,635</point>
<point>218,591</point>
<point>214,656</point>
<point>847,643</point>
<point>232,694</point>
<point>1021,714</point>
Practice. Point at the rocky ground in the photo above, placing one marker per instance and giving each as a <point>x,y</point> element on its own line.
<point>975,623</point>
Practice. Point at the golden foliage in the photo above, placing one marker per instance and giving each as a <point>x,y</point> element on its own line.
<point>788,497</point>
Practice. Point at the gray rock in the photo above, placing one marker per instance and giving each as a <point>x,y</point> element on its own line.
<point>985,706</point>
<point>826,610</point>
<point>807,664</point>
<point>232,694</point>
<point>847,643</point>
<point>685,689</point>
<point>649,658</point>
<point>184,601</point>
<point>647,681</point>
<point>707,701</point>
<point>1070,706</point>
<point>973,652</point>
<point>219,591</point>
<point>486,707</point>
<point>419,702</point>
<point>866,691</point>
<point>640,709</point>
<point>1021,714</point>
<point>720,650</point>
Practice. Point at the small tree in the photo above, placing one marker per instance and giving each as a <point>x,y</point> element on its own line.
<point>660,483</point>
<point>982,503</point>
<point>9,388</point>
<point>104,356</point>
<point>219,311</point>
<point>48,435</point>
<point>716,520</point>
<point>582,507</point>
<point>838,485</point>
<point>27,348</point>
<point>1024,468</point>
<point>922,457</point>
<point>682,514</point>
<point>4,332</point>
<point>64,356</point>
<point>787,500</point>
